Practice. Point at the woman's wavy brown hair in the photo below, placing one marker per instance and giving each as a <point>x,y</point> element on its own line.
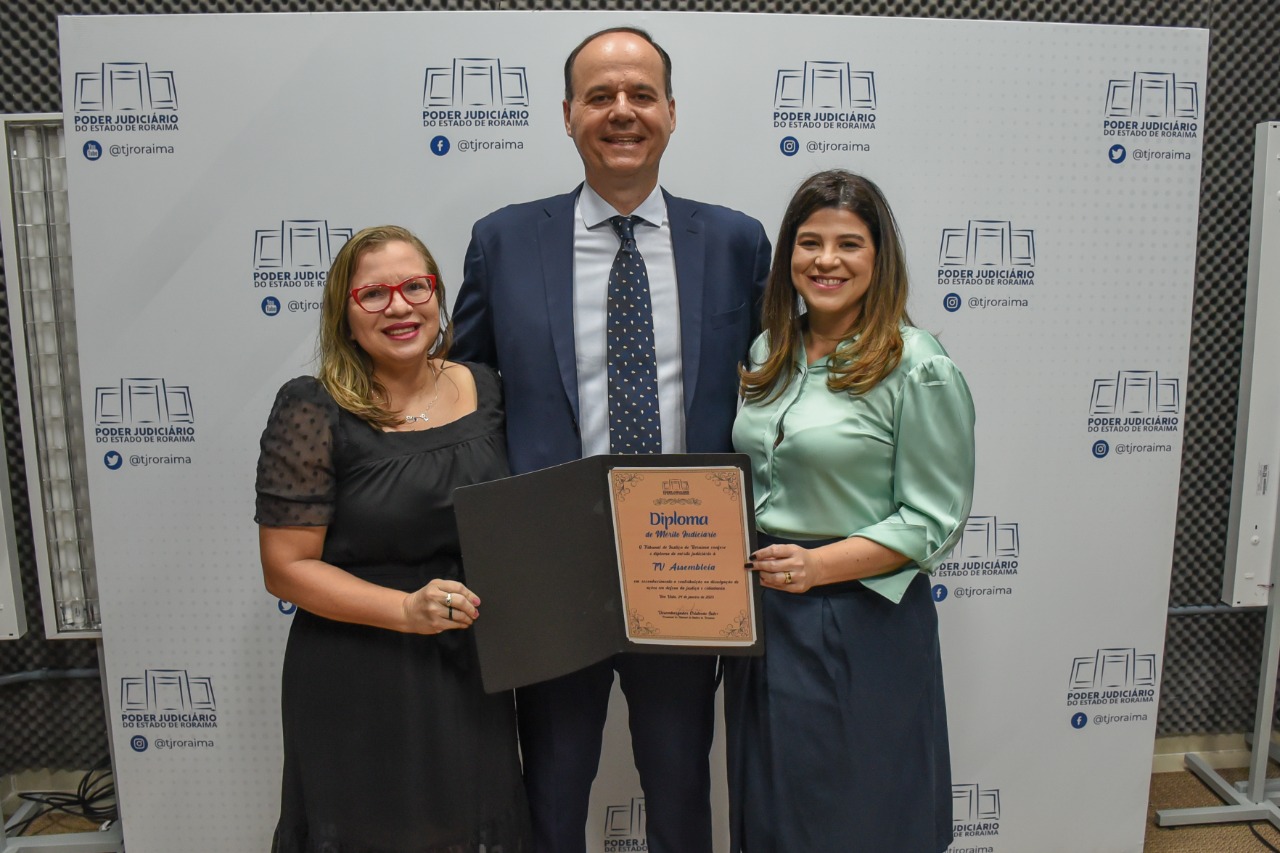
<point>873,346</point>
<point>346,371</point>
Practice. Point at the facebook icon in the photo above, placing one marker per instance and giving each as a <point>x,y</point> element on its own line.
<point>440,146</point>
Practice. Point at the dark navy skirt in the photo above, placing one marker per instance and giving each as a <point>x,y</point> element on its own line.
<point>837,736</point>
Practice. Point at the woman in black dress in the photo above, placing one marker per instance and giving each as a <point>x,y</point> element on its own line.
<point>390,743</point>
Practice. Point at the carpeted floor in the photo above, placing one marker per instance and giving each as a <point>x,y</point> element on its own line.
<point>1168,791</point>
<point>1183,790</point>
<point>60,824</point>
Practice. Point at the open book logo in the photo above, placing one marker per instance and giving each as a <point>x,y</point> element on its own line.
<point>1136,392</point>
<point>124,87</point>
<point>824,85</point>
<point>475,82</point>
<point>675,486</point>
<point>986,537</point>
<point>988,243</point>
<point>971,802</point>
<point>1152,95</point>
<point>625,820</point>
<point>1117,669</point>
<point>139,401</point>
<point>298,244</point>
<point>166,690</point>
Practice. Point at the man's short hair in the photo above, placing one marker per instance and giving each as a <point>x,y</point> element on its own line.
<point>635,31</point>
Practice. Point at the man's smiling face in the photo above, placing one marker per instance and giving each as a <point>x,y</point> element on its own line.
<point>620,117</point>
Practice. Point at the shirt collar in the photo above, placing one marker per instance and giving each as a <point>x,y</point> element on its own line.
<point>596,212</point>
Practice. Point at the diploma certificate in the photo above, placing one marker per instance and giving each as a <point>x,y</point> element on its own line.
<point>682,540</point>
<point>610,554</point>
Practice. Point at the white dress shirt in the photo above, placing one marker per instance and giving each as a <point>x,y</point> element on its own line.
<point>595,244</point>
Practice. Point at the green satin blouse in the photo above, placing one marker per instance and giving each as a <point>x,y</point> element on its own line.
<point>894,465</point>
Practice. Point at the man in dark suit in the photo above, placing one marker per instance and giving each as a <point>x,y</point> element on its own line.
<point>538,286</point>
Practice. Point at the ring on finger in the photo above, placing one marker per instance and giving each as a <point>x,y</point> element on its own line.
<point>787,579</point>
<point>450,606</point>
<point>448,600</point>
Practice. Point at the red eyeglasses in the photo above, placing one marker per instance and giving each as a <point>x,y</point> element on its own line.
<point>375,298</point>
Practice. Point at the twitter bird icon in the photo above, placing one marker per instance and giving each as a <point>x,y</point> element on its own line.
<point>1117,153</point>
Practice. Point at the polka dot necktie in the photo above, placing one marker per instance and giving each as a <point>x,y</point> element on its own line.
<point>632,361</point>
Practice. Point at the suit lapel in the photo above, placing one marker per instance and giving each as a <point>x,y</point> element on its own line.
<point>555,242</point>
<point>689,248</point>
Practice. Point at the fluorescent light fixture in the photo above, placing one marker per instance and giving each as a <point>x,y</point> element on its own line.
<point>37,255</point>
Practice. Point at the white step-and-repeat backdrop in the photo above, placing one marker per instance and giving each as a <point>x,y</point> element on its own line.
<point>1046,178</point>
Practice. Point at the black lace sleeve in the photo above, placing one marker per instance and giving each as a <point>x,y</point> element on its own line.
<point>295,467</point>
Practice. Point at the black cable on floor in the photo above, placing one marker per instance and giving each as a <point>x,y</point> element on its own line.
<point>94,799</point>
<point>1265,842</point>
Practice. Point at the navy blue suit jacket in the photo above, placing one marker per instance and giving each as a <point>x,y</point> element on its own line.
<point>515,312</point>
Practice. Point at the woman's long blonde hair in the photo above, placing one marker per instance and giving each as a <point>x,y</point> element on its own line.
<point>346,371</point>
<point>873,347</point>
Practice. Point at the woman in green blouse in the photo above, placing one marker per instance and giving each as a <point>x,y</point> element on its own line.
<point>860,432</point>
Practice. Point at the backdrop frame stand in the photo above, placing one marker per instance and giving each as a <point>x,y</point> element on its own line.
<point>1254,506</point>
<point>1253,800</point>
